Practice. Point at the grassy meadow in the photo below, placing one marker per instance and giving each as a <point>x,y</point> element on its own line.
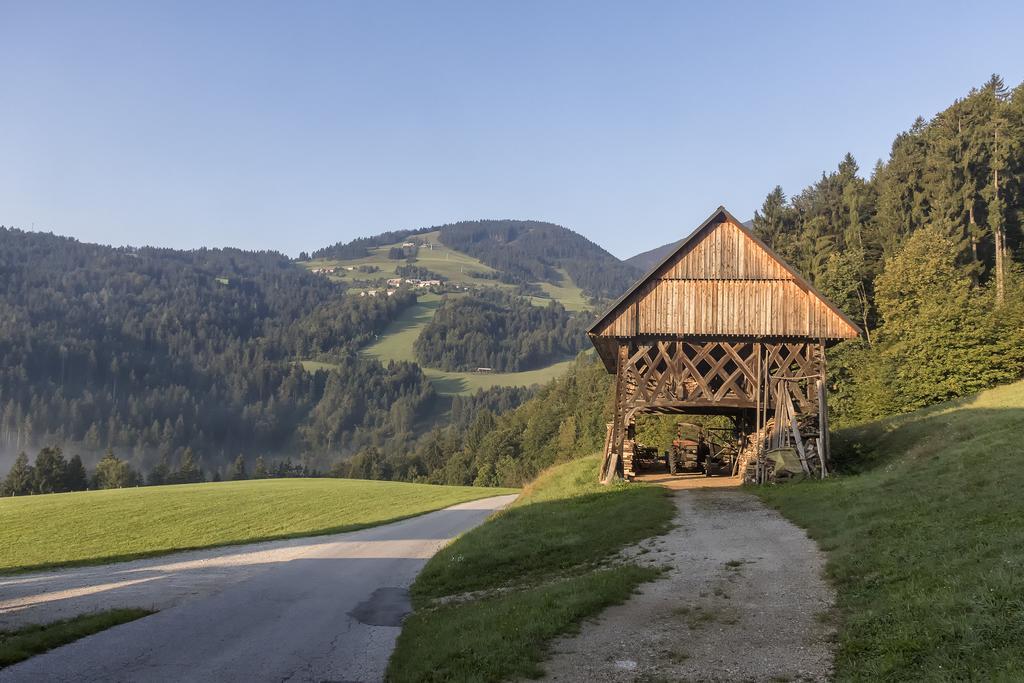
<point>93,527</point>
<point>530,574</point>
<point>397,339</point>
<point>925,544</point>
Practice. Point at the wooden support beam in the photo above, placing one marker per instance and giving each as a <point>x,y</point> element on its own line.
<point>795,427</point>
<point>614,464</point>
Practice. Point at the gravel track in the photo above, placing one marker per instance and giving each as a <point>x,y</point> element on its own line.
<point>744,600</point>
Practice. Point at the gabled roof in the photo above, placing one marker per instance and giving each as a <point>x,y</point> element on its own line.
<point>719,216</point>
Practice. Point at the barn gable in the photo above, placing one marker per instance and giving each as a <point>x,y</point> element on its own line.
<point>721,282</point>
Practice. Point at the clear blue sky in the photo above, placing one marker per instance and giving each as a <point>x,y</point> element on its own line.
<point>292,125</point>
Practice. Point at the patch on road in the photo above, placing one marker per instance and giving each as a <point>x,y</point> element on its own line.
<point>386,607</point>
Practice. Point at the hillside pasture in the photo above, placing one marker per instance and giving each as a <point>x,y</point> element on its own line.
<point>925,545</point>
<point>453,265</point>
<point>94,527</point>
<point>465,383</point>
<point>396,341</point>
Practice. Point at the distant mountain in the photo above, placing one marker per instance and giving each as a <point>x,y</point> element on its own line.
<point>646,260</point>
<point>521,251</point>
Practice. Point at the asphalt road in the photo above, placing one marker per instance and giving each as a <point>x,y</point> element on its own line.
<point>327,608</point>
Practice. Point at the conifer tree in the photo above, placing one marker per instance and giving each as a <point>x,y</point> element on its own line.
<point>20,479</point>
<point>75,477</point>
<point>161,472</point>
<point>50,470</point>
<point>188,471</point>
<point>238,469</point>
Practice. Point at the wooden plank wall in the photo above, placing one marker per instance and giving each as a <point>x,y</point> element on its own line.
<point>725,284</point>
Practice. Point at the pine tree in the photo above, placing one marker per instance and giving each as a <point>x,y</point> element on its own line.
<point>161,472</point>
<point>50,470</point>
<point>260,472</point>
<point>20,479</point>
<point>238,472</point>
<point>188,471</point>
<point>75,477</point>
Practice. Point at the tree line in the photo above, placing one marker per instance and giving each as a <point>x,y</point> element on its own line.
<point>51,472</point>
<point>494,329</point>
<point>153,352</point>
<point>924,253</point>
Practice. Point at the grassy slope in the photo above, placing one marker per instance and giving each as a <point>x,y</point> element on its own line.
<point>23,643</point>
<point>549,553</point>
<point>453,265</point>
<point>103,526</point>
<point>926,547</point>
<point>396,342</point>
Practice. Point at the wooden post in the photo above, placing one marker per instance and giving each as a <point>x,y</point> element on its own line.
<point>822,428</point>
<point>612,467</point>
<point>795,427</point>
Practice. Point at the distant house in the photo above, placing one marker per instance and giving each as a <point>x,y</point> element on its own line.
<point>416,282</point>
<point>395,282</point>
<point>408,245</point>
<point>485,369</point>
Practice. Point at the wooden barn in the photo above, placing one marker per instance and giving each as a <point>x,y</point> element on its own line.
<point>723,326</point>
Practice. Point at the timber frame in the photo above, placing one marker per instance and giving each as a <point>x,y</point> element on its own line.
<point>722,326</point>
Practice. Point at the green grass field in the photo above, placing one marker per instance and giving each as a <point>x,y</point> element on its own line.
<point>92,527</point>
<point>536,570</point>
<point>452,383</point>
<point>396,341</point>
<point>926,545</point>
<point>316,365</point>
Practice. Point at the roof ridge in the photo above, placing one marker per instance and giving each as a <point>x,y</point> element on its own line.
<point>690,239</point>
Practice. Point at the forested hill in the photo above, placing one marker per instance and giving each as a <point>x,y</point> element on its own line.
<point>522,252</point>
<point>153,352</point>
<point>532,250</point>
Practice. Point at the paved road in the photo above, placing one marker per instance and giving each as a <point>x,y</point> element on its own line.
<point>327,608</point>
